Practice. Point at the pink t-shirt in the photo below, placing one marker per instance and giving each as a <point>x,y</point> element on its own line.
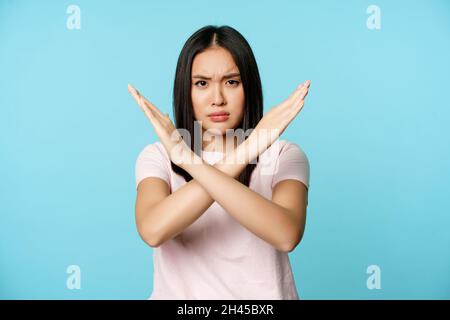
<point>216,257</point>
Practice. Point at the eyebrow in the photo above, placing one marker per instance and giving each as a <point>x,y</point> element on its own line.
<point>226,76</point>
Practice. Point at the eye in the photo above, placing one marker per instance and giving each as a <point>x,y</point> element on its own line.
<point>202,82</point>
<point>234,83</point>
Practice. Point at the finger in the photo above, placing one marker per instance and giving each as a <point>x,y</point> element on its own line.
<point>147,111</point>
<point>298,107</point>
<point>299,91</point>
<point>298,104</point>
<point>138,98</point>
<point>307,83</point>
<point>153,107</point>
<point>295,94</point>
<point>133,92</point>
<point>147,104</point>
<point>303,93</point>
<point>144,104</point>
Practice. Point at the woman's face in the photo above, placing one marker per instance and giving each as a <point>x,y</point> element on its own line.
<point>217,87</point>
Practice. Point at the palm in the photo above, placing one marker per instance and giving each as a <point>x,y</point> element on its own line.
<point>274,122</point>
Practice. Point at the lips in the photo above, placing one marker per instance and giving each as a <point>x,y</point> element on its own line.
<point>219,113</point>
<point>219,116</point>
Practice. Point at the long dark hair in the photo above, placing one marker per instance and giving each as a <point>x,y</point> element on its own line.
<point>231,40</point>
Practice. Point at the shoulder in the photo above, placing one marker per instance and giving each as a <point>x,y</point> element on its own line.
<point>283,148</point>
<point>153,161</point>
<point>155,149</point>
<point>287,160</point>
<point>294,148</point>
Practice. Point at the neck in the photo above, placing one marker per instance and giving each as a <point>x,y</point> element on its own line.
<point>219,144</point>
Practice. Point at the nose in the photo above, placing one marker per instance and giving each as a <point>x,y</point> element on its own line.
<point>218,98</point>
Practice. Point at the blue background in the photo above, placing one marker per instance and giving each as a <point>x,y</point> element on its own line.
<point>374,127</point>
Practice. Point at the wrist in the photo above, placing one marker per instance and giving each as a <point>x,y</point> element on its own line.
<point>248,149</point>
<point>236,161</point>
<point>189,162</point>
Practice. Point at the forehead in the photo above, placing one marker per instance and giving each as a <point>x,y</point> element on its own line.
<point>214,62</point>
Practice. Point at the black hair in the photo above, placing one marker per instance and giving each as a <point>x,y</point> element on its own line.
<point>231,40</point>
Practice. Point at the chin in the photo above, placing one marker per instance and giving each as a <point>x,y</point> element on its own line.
<point>217,127</point>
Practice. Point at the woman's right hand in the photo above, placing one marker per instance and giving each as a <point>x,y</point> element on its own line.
<point>274,122</point>
<point>169,136</point>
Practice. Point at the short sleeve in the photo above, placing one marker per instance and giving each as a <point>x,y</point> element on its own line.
<point>292,163</point>
<point>152,162</point>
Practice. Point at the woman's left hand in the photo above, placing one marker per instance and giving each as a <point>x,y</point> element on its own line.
<point>274,122</point>
<point>169,136</point>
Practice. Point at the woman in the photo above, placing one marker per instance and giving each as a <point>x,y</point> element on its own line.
<point>222,211</point>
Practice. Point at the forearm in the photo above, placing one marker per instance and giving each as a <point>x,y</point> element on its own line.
<point>183,207</point>
<point>266,219</point>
